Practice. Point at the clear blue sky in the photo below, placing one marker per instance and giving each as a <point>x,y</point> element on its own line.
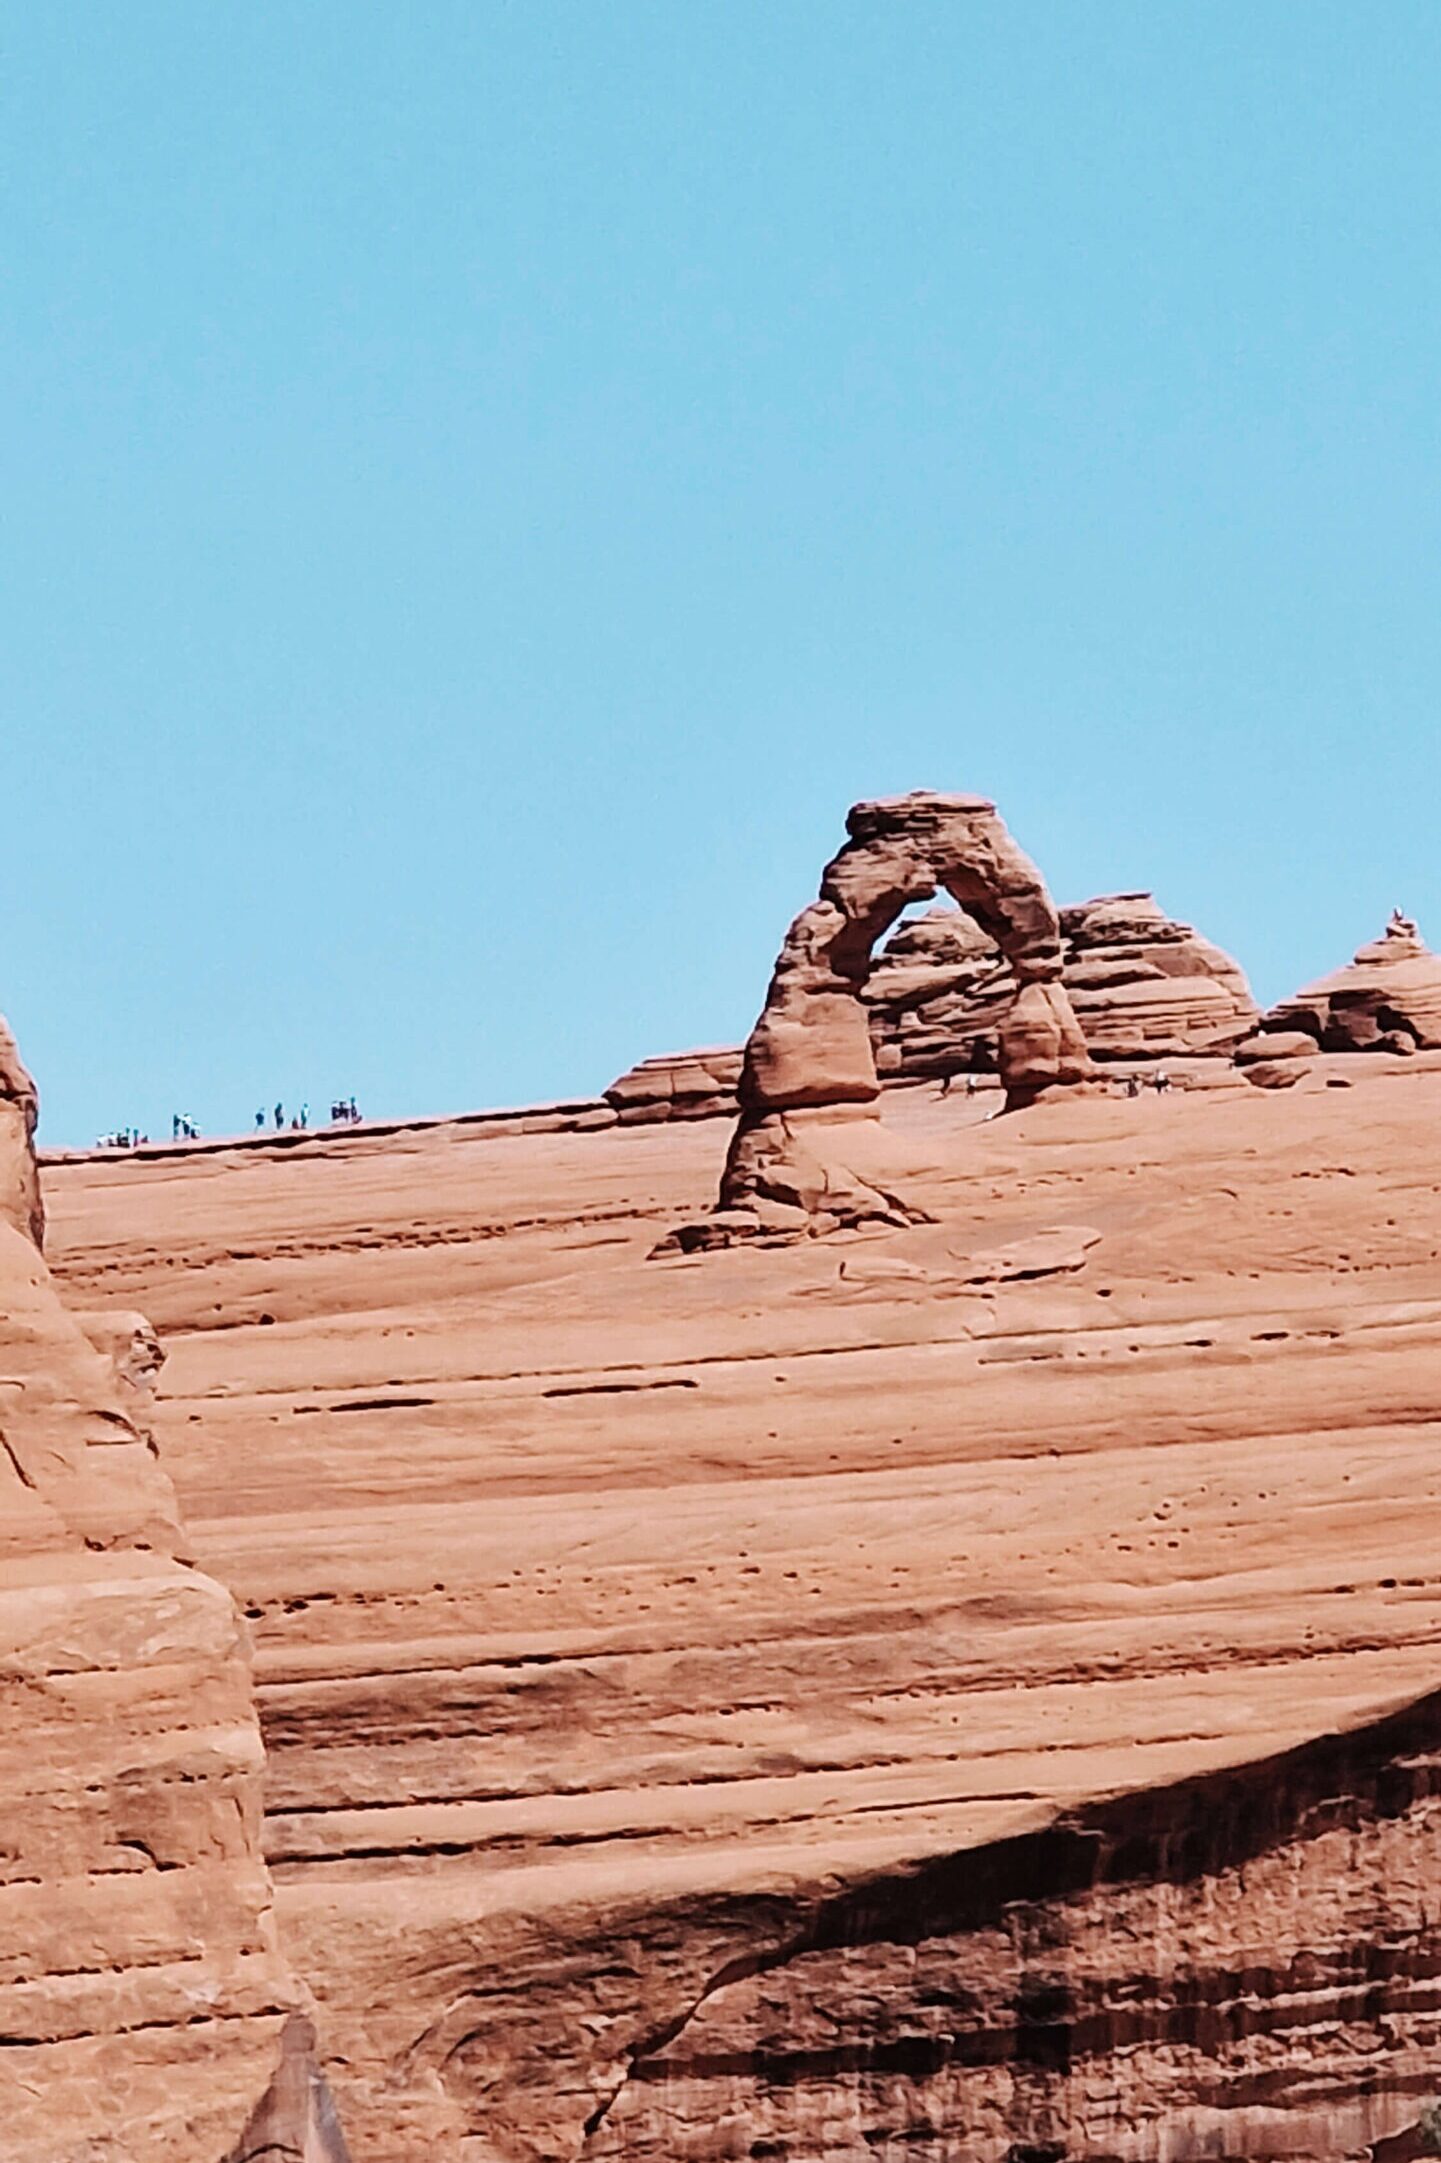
<point>485,485</point>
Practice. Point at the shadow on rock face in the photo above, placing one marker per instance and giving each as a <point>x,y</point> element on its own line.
<point>295,2120</point>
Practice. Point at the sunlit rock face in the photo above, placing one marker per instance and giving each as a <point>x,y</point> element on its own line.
<point>935,1692</point>
<point>1141,984</point>
<point>143,1995</point>
<point>809,1068</point>
<point>1387,998</point>
<point>143,1991</point>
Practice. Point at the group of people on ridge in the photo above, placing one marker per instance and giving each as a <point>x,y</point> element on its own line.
<point>344,1111</point>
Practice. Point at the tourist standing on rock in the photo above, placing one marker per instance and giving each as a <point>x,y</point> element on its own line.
<point>260,1117</point>
<point>279,1117</point>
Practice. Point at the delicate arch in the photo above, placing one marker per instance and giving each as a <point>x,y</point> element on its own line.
<point>811,1045</point>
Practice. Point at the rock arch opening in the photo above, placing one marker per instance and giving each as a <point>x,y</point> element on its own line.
<point>810,1053</point>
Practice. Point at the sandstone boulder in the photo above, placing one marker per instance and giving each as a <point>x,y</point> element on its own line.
<point>1387,998</point>
<point>1274,1073</point>
<point>1269,1044</point>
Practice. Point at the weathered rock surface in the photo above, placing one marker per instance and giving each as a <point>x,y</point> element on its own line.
<point>135,1355</point>
<point>142,1993</point>
<point>1388,998</point>
<point>678,1085</point>
<point>1274,1073</point>
<point>1146,986</point>
<point>810,1051</point>
<point>753,1709</point>
<point>141,1989</point>
<point>1141,985</point>
<point>1272,1044</point>
<point>20,1202</point>
<point>1244,1962</point>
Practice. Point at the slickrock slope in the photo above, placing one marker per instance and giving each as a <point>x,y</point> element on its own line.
<point>1388,998</point>
<point>937,1692</point>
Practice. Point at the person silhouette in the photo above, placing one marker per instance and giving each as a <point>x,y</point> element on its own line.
<point>279,1117</point>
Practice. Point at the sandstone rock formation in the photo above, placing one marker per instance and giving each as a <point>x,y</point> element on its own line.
<point>1147,986</point>
<point>755,1707</point>
<point>1143,986</point>
<point>20,1202</point>
<point>1271,1044</point>
<point>678,1085</point>
<point>810,1052</point>
<point>1388,998</point>
<point>136,1356</point>
<point>142,1991</point>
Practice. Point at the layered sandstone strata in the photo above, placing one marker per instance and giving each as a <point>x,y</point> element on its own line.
<point>1142,985</point>
<point>678,1085</point>
<point>1387,998</point>
<point>927,1695</point>
<point>1244,1963</point>
<point>809,1056</point>
<point>142,1992</point>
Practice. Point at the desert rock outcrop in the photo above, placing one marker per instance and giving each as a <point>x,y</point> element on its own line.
<point>20,1202</point>
<point>1387,998</point>
<point>1209,1970</point>
<point>1142,985</point>
<point>809,1056</point>
<point>678,1085</point>
<point>142,1991</point>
